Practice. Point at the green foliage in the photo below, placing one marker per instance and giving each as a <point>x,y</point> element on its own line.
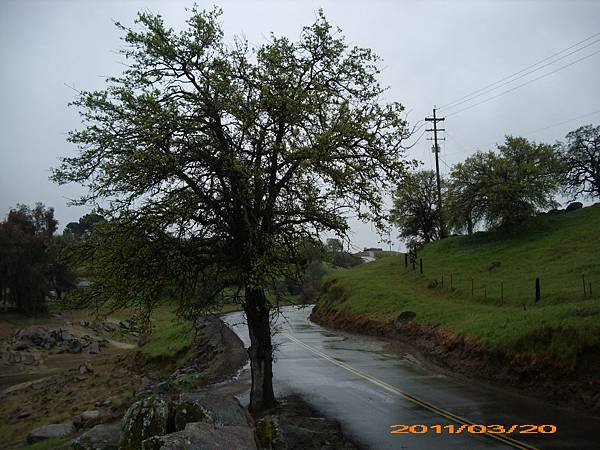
<point>558,249</point>
<point>32,260</point>
<point>241,152</point>
<point>504,188</point>
<point>581,158</point>
<point>415,211</point>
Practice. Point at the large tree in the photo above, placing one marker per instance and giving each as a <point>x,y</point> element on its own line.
<point>239,154</point>
<point>505,187</point>
<point>415,211</point>
<point>581,157</point>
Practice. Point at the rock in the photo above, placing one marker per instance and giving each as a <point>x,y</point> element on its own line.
<point>50,431</point>
<point>87,418</point>
<point>188,412</point>
<point>434,284</point>
<point>404,318</point>
<point>494,265</point>
<point>75,346</point>
<point>573,206</point>
<point>125,324</point>
<point>152,416</point>
<point>200,436</point>
<point>143,340</point>
<point>222,409</point>
<point>84,323</point>
<point>23,415</point>
<point>100,437</point>
<point>94,348</point>
<point>160,388</point>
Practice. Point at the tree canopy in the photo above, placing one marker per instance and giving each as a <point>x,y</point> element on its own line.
<point>235,155</point>
<point>415,211</point>
<point>581,157</point>
<point>506,186</point>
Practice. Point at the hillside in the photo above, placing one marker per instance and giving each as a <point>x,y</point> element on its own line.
<point>499,315</point>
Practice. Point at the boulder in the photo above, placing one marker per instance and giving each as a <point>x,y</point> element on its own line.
<point>94,348</point>
<point>101,437</point>
<point>188,412</point>
<point>50,431</point>
<point>151,416</point>
<point>574,206</point>
<point>223,410</point>
<point>75,346</point>
<point>87,418</point>
<point>404,318</point>
<point>201,435</point>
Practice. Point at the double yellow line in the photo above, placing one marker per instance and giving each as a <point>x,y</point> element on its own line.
<point>430,406</point>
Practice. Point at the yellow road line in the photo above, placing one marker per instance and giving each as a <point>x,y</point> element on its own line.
<point>425,404</point>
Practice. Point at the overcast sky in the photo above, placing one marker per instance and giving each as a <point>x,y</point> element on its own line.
<point>433,53</point>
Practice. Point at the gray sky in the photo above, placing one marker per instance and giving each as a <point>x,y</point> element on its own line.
<point>433,53</point>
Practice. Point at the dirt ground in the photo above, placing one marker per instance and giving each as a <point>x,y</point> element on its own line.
<point>53,387</point>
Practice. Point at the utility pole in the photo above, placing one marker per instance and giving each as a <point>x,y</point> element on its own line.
<point>436,150</point>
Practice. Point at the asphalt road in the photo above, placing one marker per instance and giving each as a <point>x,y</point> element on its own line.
<point>352,379</point>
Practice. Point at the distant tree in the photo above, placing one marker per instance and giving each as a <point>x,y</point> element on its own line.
<point>225,158</point>
<point>581,157</point>
<point>506,187</point>
<point>334,246</point>
<point>25,264</point>
<point>415,211</point>
<point>82,229</point>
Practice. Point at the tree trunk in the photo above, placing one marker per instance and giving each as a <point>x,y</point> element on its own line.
<point>260,351</point>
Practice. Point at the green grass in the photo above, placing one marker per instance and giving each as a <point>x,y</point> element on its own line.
<point>171,336</point>
<point>49,444</point>
<point>557,249</point>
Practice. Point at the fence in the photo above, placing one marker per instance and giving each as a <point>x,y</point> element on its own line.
<point>527,289</point>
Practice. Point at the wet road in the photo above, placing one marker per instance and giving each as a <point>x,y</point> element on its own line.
<point>352,379</point>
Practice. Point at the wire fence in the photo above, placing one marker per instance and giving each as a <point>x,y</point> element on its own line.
<point>503,291</point>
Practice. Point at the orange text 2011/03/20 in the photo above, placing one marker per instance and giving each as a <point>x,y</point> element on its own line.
<point>473,429</point>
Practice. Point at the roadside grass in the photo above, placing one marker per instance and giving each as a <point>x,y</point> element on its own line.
<point>558,249</point>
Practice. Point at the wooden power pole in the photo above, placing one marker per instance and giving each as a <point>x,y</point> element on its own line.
<point>436,150</point>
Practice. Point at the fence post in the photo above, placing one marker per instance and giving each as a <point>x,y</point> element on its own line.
<point>537,290</point>
<point>406,260</point>
<point>442,280</point>
<point>583,278</point>
<point>501,292</point>
<point>451,282</point>
<point>485,292</point>
<point>413,263</point>
<point>421,265</point>
<point>590,289</point>
<point>472,288</point>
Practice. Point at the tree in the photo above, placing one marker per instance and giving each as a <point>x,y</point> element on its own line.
<point>82,229</point>
<point>581,158</point>
<point>27,267</point>
<point>415,211</point>
<point>235,155</point>
<point>507,187</point>
<point>466,201</point>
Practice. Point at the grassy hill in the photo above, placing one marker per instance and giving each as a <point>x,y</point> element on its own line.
<point>488,291</point>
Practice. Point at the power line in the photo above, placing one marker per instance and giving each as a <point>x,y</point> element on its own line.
<point>522,70</point>
<point>452,137</point>
<point>523,84</point>
<point>513,79</point>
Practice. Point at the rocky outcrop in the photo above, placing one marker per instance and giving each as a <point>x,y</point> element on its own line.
<point>50,431</point>
<point>292,425</point>
<point>202,435</point>
<point>100,437</point>
<point>152,416</point>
